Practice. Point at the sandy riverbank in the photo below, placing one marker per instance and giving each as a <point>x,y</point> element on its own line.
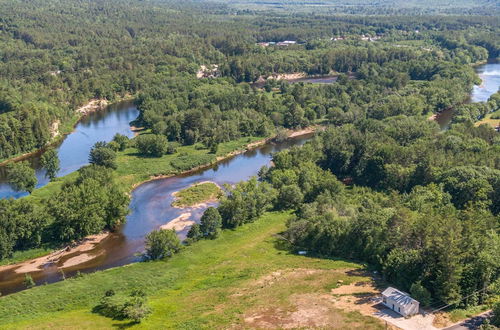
<point>80,251</point>
<point>180,223</point>
<point>91,242</point>
<point>92,106</point>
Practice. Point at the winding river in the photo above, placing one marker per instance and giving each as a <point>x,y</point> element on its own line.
<point>73,151</point>
<point>150,208</point>
<point>150,205</point>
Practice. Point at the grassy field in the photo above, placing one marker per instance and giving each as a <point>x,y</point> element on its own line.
<point>239,279</point>
<point>196,194</point>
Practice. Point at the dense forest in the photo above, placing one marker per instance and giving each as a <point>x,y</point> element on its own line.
<point>382,184</point>
<point>57,55</point>
<point>419,205</point>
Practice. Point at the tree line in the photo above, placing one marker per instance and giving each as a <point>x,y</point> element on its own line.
<point>84,206</point>
<point>55,57</point>
<point>429,225</point>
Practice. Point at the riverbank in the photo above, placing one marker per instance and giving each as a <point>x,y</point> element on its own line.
<point>225,151</point>
<point>71,255</point>
<point>64,129</point>
<point>242,279</point>
<point>133,171</point>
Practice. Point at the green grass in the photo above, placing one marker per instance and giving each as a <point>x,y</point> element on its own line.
<point>133,169</point>
<point>462,314</point>
<point>19,256</point>
<point>211,284</point>
<point>196,194</point>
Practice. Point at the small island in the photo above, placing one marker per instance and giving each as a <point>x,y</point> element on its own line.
<point>197,194</point>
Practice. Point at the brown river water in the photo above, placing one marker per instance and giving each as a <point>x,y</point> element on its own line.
<point>150,208</point>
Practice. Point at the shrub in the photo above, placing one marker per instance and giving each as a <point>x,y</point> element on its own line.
<point>194,234</point>
<point>420,293</point>
<point>121,140</point>
<point>21,176</point>
<point>161,244</point>
<point>151,145</point>
<point>101,154</point>
<point>28,281</point>
<point>120,307</point>
<point>211,223</point>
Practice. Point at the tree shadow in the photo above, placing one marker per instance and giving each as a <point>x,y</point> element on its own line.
<point>124,325</point>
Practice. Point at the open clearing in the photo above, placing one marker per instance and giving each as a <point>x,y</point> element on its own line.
<point>241,280</point>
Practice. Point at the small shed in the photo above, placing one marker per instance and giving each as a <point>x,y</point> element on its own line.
<point>400,302</point>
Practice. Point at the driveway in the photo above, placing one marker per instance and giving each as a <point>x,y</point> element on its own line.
<point>417,322</point>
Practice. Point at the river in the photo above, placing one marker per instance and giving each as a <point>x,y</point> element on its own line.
<point>73,151</point>
<point>490,82</point>
<point>150,207</point>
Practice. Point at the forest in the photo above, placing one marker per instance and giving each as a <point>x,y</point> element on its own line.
<point>49,64</point>
<point>380,183</point>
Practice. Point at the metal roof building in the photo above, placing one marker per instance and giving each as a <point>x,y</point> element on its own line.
<point>400,302</point>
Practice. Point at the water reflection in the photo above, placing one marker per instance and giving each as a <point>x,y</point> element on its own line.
<point>73,151</point>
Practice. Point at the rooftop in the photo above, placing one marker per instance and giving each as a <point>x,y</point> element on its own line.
<point>400,297</point>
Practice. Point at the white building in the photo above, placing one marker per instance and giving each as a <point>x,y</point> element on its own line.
<point>400,302</point>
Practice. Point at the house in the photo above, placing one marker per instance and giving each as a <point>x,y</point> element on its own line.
<point>286,43</point>
<point>400,302</point>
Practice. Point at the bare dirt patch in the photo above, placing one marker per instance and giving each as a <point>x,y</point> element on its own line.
<point>357,287</point>
<point>298,298</point>
<point>441,320</point>
<point>308,311</point>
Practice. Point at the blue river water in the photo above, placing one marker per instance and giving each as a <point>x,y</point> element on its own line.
<point>74,150</point>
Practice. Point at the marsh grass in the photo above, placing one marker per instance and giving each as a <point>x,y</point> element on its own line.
<point>195,194</point>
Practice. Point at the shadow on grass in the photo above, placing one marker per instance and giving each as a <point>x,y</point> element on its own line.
<point>103,312</point>
<point>124,325</point>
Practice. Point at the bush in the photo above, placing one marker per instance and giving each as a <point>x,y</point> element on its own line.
<point>121,307</point>
<point>211,223</point>
<point>161,244</point>
<point>171,148</point>
<point>194,234</point>
<point>151,145</point>
<point>420,293</point>
<point>495,320</point>
<point>28,281</point>
<point>21,176</point>
<point>121,140</point>
<point>101,154</point>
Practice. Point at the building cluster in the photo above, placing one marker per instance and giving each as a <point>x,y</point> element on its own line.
<point>364,37</point>
<point>279,43</point>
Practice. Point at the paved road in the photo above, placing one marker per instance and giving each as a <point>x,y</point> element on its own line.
<point>472,323</point>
